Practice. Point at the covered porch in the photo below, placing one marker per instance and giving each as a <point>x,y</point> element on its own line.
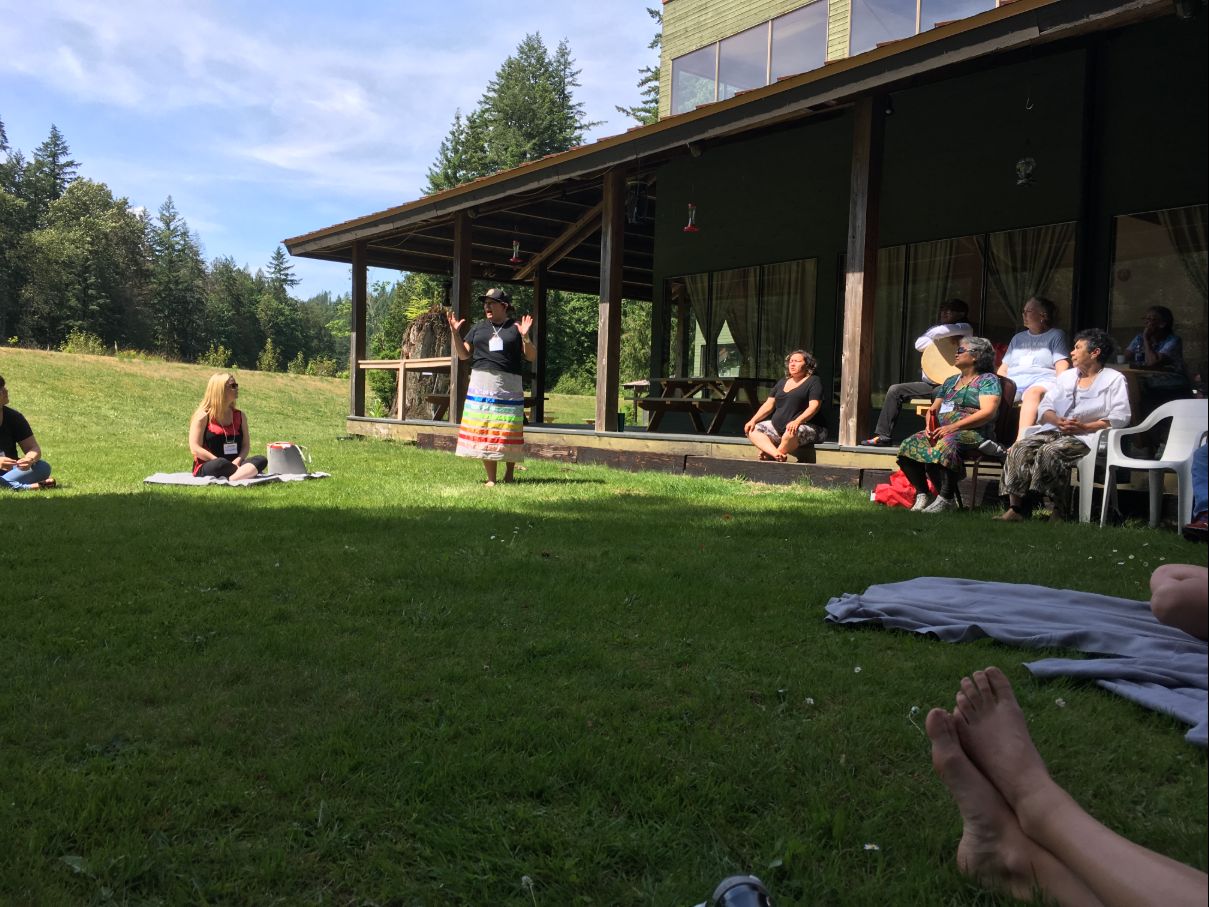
<point>833,211</point>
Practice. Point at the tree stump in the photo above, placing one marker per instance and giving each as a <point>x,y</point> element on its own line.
<point>425,338</point>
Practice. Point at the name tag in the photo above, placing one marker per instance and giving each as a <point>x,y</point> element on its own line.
<point>1025,360</point>
<point>495,344</point>
<point>229,448</point>
<point>946,407</point>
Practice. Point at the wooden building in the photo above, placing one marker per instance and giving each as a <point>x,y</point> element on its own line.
<point>1043,146</point>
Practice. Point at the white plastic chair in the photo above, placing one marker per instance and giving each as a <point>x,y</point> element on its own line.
<point>1189,423</point>
<point>1087,474</point>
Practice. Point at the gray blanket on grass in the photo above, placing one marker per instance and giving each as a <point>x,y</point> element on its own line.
<point>187,478</point>
<point>1154,665</point>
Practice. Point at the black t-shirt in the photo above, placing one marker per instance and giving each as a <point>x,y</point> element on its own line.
<point>510,359</point>
<point>14,428</point>
<point>791,404</point>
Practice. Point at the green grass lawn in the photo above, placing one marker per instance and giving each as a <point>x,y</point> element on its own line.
<point>396,686</point>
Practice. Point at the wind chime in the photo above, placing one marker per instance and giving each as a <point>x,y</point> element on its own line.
<point>516,252</point>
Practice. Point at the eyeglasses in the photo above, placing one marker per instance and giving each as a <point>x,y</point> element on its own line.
<point>963,349</point>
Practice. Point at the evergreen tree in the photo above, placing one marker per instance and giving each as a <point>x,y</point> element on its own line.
<point>231,311</point>
<point>177,296</point>
<point>48,175</point>
<point>85,268</point>
<point>526,113</point>
<point>646,111</point>
<point>281,272</point>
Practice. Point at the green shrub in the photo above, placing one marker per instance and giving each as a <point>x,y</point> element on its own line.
<point>578,381</point>
<point>323,367</point>
<point>269,359</point>
<point>85,343</point>
<point>218,356</point>
<point>297,365</point>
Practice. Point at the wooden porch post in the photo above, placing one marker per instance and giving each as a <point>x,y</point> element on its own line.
<point>540,293</point>
<point>356,337</point>
<point>459,299</point>
<point>608,331</point>
<point>860,279</point>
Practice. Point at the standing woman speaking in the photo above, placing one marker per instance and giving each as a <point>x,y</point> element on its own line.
<point>493,418</point>
<point>218,434</point>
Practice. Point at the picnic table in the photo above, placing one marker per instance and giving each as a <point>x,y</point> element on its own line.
<point>701,396</point>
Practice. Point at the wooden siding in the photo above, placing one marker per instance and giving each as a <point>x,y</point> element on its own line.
<point>692,24</point>
<point>839,21</point>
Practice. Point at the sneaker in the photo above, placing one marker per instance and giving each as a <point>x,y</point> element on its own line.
<point>940,505</point>
<point>1198,529</point>
<point>989,448</point>
<point>876,441</point>
<point>921,503</point>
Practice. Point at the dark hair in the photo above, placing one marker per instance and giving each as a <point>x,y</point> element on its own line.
<point>812,364</point>
<point>983,352</point>
<point>1097,339</point>
<point>1047,308</point>
<point>1,381</point>
<point>1165,313</point>
<point>956,305</point>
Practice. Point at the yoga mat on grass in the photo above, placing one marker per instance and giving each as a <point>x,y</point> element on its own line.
<point>1147,662</point>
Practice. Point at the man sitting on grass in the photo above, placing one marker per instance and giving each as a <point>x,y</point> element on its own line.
<point>26,471</point>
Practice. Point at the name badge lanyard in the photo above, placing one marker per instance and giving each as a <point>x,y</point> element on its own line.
<point>230,444</point>
<point>496,343</point>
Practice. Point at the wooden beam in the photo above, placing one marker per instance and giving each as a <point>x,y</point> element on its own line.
<point>540,294</point>
<point>608,330</point>
<point>459,298</point>
<point>860,279</point>
<point>571,237</point>
<point>356,337</point>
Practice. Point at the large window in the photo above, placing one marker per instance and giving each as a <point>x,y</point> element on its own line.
<point>693,77</point>
<point>875,22</point>
<point>995,274</point>
<point>739,322</point>
<point>1161,258</point>
<point>743,62</point>
<point>799,41</point>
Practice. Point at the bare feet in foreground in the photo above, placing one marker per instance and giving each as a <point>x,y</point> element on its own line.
<point>994,849</point>
<point>995,735</point>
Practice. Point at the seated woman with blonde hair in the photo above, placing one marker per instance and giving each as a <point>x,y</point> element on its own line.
<point>780,426</point>
<point>218,434</point>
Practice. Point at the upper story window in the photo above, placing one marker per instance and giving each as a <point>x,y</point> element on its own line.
<point>875,22</point>
<point>789,44</point>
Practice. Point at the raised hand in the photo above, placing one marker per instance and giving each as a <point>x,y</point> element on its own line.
<point>455,325</point>
<point>525,325</point>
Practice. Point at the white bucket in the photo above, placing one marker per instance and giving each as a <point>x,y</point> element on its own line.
<point>287,459</point>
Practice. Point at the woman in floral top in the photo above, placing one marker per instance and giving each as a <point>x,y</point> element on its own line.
<point>962,412</point>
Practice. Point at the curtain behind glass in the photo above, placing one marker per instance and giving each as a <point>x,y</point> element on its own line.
<point>736,301</point>
<point>1186,229</point>
<point>888,317</point>
<point>788,314</point>
<point>1022,264</point>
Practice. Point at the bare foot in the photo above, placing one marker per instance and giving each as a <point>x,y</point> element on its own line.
<point>1011,516</point>
<point>995,735</point>
<point>781,457</point>
<point>764,456</point>
<point>994,849</point>
<point>489,483</point>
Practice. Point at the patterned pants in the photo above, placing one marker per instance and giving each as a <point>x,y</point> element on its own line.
<point>1041,464</point>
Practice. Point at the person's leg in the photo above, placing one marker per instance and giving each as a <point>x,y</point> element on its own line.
<point>20,479</point>
<point>994,850</point>
<point>1018,477</point>
<point>1051,470</point>
<point>218,468</point>
<point>765,439</point>
<point>789,443</point>
<point>509,471</point>
<point>994,734</point>
<point>1030,400</point>
<point>1179,597</point>
<point>1200,481</point>
<point>918,477</point>
<point>896,396</point>
<point>490,467</point>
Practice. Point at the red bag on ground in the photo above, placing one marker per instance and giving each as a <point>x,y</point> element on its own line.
<point>898,492</point>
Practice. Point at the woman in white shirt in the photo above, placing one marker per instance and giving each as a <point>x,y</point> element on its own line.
<point>1034,358</point>
<point>1082,401</point>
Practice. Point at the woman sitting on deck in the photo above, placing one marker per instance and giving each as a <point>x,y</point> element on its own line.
<point>965,406</point>
<point>1084,400</point>
<point>779,426</point>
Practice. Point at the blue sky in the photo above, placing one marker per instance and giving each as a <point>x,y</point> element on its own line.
<point>265,120</point>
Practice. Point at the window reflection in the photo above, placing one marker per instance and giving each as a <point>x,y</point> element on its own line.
<point>877,21</point>
<point>799,41</point>
<point>693,79</point>
<point>938,12</point>
<point>743,62</point>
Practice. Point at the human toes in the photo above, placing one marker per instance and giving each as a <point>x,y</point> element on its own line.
<point>999,685</point>
<point>973,693</point>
